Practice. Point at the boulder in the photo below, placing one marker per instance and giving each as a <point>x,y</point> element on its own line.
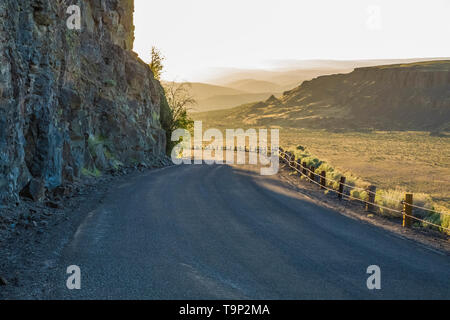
<point>35,190</point>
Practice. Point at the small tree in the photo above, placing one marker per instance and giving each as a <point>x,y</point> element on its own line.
<point>156,64</point>
<point>180,100</point>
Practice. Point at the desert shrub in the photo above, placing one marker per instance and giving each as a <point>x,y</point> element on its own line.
<point>359,194</point>
<point>391,199</point>
<point>325,167</point>
<point>178,100</point>
<point>445,221</point>
<point>441,217</point>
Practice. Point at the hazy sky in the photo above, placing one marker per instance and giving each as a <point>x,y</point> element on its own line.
<point>196,35</point>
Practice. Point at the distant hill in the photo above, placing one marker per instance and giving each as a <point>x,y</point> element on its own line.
<point>409,96</point>
<point>291,73</point>
<point>233,87</point>
<point>255,86</point>
<point>203,91</point>
<point>213,97</point>
<point>229,101</point>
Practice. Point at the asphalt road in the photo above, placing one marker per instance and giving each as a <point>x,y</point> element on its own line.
<point>222,232</point>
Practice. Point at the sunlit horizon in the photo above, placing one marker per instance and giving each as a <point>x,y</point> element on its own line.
<point>198,37</point>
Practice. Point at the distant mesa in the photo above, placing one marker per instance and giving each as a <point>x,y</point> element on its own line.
<point>405,96</point>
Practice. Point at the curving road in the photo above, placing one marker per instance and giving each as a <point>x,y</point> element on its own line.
<point>225,232</point>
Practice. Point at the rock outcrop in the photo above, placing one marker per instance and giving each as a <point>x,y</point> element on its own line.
<point>72,102</point>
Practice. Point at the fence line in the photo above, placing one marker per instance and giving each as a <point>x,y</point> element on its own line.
<point>337,192</point>
<point>291,158</point>
<point>287,157</point>
<point>423,208</point>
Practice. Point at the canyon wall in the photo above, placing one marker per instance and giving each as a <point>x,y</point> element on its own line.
<point>72,102</point>
<point>412,96</point>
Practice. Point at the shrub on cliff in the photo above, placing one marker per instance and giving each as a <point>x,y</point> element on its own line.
<point>178,100</point>
<point>156,64</point>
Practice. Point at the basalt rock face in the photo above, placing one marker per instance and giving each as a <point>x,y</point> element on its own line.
<point>72,102</point>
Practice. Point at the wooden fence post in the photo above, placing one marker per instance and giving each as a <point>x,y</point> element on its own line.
<point>407,210</point>
<point>341,187</point>
<point>371,192</point>
<point>304,169</point>
<point>323,180</point>
<point>311,174</point>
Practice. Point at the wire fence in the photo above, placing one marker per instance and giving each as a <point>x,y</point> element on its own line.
<point>289,159</point>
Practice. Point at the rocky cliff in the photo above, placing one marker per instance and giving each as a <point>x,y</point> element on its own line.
<point>72,102</point>
<point>412,96</point>
<point>400,97</point>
